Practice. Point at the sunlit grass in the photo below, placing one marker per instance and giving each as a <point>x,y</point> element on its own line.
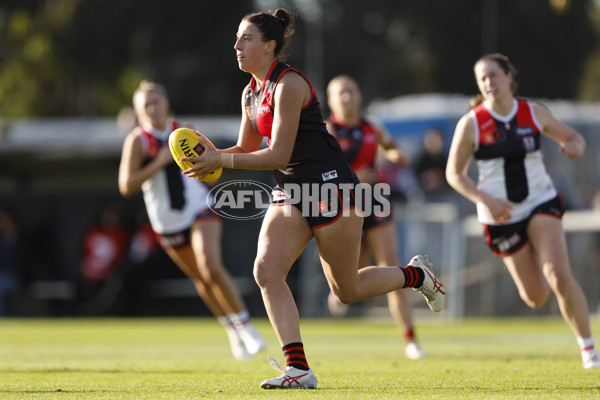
<point>353,359</point>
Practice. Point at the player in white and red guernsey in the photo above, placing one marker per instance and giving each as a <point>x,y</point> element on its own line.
<point>516,201</point>
<point>178,209</point>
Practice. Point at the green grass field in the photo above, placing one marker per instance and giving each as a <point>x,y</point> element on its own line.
<point>353,359</point>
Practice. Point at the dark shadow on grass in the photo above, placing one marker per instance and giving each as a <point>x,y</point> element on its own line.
<point>53,391</point>
<point>480,389</point>
<point>556,388</point>
<point>526,356</point>
<point>95,371</point>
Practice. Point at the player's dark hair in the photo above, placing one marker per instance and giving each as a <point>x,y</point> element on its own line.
<point>147,86</point>
<point>275,25</point>
<point>506,66</point>
<point>341,78</point>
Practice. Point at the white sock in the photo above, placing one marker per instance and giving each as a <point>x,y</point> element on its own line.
<point>229,326</point>
<point>241,320</point>
<point>585,343</point>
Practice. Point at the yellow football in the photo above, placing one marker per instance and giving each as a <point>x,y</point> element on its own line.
<point>185,142</point>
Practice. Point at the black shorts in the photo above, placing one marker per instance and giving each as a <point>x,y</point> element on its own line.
<point>320,203</point>
<point>182,238</point>
<point>507,239</point>
<point>377,209</point>
<point>373,221</point>
<point>321,187</point>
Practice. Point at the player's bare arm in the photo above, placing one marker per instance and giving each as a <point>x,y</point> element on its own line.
<point>393,152</point>
<point>248,139</point>
<point>459,159</point>
<point>132,172</point>
<point>291,94</point>
<point>572,144</point>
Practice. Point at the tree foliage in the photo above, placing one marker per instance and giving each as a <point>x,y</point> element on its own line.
<point>85,57</point>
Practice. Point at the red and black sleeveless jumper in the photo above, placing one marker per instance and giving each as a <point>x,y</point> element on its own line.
<point>317,157</point>
<point>359,145</point>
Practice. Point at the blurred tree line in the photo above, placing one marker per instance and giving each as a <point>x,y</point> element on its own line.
<point>85,57</point>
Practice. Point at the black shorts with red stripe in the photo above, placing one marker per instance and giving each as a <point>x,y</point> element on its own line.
<point>183,238</point>
<point>507,239</point>
<point>377,213</point>
<point>320,203</point>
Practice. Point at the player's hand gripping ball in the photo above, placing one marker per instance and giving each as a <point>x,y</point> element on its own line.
<point>185,142</point>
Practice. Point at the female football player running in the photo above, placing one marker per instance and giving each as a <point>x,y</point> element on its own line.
<point>187,229</point>
<point>516,201</point>
<point>280,103</point>
<point>360,140</point>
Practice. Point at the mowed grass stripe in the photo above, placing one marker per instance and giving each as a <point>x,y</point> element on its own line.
<point>173,358</point>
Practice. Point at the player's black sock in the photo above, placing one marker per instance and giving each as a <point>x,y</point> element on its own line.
<point>413,276</point>
<point>294,355</point>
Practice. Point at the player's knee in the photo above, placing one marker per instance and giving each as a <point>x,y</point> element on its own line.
<point>345,296</point>
<point>208,271</point>
<point>559,281</point>
<point>263,274</point>
<point>535,300</point>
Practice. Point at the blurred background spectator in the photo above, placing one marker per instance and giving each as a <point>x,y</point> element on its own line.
<point>430,167</point>
<point>105,247</point>
<point>12,255</point>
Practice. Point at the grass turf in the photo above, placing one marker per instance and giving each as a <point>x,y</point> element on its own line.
<point>353,359</point>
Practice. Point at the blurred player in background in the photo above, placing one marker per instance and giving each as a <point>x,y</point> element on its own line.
<point>516,200</point>
<point>13,253</point>
<point>360,139</point>
<point>105,246</point>
<point>280,103</point>
<point>178,210</point>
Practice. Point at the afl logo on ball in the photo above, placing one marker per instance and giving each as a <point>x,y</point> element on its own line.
<point>241,199</point>
<point>199,149</point>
